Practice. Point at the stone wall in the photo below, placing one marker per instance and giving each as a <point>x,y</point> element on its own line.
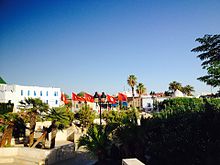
<point>25,155</point>
<point>59,153</point>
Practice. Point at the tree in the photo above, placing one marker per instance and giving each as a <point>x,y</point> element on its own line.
<point>168,93</point>
<point>81,94</point>
<point>132,81</point>
<point>33,108</point>
<point>86,116</point>
<point>140,91</point>
<point>187,90</point>
<point>9,122</point>
<point>152,93</point>
<point>61,118</point>
<point>173,86</point>
<point>210,57</point>
<point>96,141</point>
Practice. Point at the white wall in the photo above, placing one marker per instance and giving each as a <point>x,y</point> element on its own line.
<point>16,93</point>
<point>148,100</point>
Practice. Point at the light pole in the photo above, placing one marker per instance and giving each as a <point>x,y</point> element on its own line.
<point>99,100</point>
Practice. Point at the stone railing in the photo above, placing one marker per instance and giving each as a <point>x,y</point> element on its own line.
<point>131,161</point>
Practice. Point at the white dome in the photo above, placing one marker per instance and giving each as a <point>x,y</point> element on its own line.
<point>178,93</point>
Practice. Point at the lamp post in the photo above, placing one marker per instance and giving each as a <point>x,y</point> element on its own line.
<point>99,100</point>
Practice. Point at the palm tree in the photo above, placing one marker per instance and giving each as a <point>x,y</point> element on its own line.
<point>173,86</point>
<point>33,108</point>
<point>61,117</point>
<point>132,81</point>
<point>140,91</point>
<point>152,93</point>
<point>9,121</point>
<point>188,89</point>
<point>96,141</point>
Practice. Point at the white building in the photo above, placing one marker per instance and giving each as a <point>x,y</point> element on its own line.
<point>178,93</point>
<point>17,93</point>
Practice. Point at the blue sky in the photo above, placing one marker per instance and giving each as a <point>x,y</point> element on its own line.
<point>94,45</point>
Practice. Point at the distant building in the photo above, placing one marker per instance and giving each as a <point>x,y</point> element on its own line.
<point>147,102</point>
<point>17,93</point>
<point>136,101</point>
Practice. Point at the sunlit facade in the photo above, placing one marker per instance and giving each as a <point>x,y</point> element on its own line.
<point>17,93</point>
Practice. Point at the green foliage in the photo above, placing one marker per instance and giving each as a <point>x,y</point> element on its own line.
<point>122,117</point>
<point>112,116</point>
<point>2,81</point>
<point>6,107</point>
<point>193,135</point>
<point>168,93</point>
<point>33,105</point>
<point>132,80</point>
<point>187,90</point>
<point>176,105</point>
<point>173,86</point>
<point>86,116</point>
<point>33,108</point>
<point>61,115</point>
<point>184,132</point>
<point>140,89</point>
<point>12,119</point>
<point>97,141</point>
<point>210,55</point>
<point>129,140</point>
<point>81,94</point>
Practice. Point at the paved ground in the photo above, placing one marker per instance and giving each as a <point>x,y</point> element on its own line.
<point>82,157</point>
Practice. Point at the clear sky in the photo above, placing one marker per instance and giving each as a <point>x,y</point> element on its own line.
<point>93,45</point>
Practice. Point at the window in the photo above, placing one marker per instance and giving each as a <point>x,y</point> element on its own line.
<point>22,92</point>
<point>35,93</point>
<point>56,102</point>
<point>41,93</point>
<point>55,93</point>
<point>28,92</point>
<point>47,93</point>
<point>47,101</point>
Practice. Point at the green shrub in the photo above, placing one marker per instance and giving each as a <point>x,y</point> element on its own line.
<point>185,131</point>
<point>122,117</point>
<point>5,108</point>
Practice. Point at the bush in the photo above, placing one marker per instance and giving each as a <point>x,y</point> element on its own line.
<point>184,132</point>
<point>5,108</point>
<point>122,117</point>
<point>182,104</point>
<point>86,116</point>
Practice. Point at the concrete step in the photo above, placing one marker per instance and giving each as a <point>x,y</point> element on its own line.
<point>20,160</point>
<point>27,161</point>
<point>6,160</point>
